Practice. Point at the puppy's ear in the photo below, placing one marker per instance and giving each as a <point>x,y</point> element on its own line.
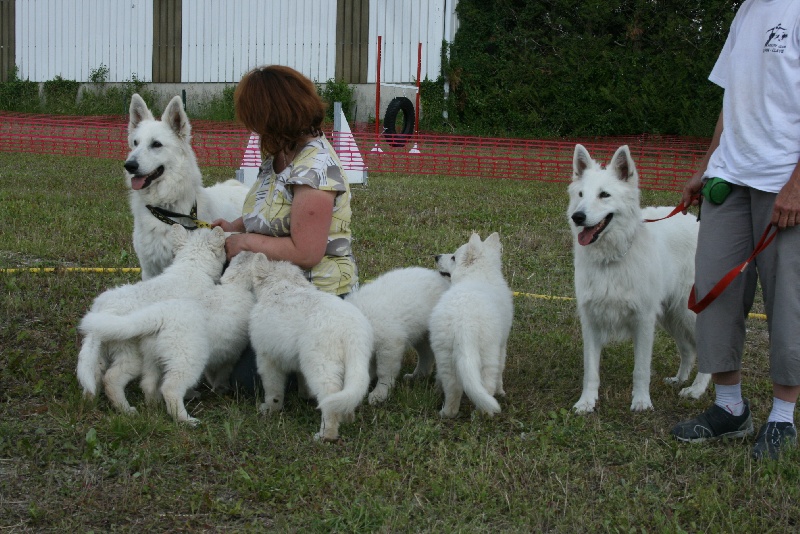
<point>581,160</point>
<point>472,251</point>
<point>175,116</point>
<point>623,166</point>
<point>493,241</point>
<point>178,236</point>
<point>137,112</point>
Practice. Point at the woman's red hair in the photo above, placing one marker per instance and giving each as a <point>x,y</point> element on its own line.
<point>279,104</point>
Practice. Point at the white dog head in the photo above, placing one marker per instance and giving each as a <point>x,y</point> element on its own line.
<point>476,258</point>
<point>155,144</point>
<point>204,248</point>
<point>601,195</point>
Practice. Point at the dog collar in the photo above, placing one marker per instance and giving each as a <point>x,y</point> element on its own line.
<point>164,215</point>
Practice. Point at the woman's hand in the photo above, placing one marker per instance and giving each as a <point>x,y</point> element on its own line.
<point>229,226</point>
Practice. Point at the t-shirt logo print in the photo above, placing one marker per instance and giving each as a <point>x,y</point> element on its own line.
<point>775,38</point>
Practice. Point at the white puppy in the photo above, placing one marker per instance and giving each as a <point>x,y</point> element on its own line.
<point>296,327</point>
<point>108,341</point>
<point>629,275</point>
<point>469,327</point>
<point>398,304</point>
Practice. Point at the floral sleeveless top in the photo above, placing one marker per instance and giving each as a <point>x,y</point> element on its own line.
<point>267,210</point>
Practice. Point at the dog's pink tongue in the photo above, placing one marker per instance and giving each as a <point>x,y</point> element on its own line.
<point>137,182</point>
<point>586,235</point>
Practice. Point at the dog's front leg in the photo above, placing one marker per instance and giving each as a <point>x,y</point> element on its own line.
<point>642,360</point>
<point>592,346</point>
<point>273,379</point>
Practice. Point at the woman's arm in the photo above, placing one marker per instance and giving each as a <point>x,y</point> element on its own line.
<point>229,226</point>
<point>311,216</point>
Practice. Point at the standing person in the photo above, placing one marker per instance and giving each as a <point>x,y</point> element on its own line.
<point>755,149</point>
<point>298,209</point>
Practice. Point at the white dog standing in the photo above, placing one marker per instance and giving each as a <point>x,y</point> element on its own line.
<point>398,304</point>
<point>296,327</point>
<point>111,352</point>
<point>629,275</point>
<point>162,172</point>
<point>470,325</point>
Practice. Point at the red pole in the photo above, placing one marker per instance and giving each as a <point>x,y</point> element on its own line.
<point>419,73</point>
<point>378,93</point>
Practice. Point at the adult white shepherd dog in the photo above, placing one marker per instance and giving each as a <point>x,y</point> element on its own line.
<point>469,327</point>
<point>161,171</point>
<point>629,275</point>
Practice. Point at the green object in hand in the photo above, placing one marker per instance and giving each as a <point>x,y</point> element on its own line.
<point>716,190</point>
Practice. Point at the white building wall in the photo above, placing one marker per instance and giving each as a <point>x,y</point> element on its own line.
<point>222,39</point>
<point>71,38</point>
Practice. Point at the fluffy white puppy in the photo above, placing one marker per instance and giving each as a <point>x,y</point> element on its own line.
<point>469,327</point>
<point>398,304</point>
<point>296,327</point>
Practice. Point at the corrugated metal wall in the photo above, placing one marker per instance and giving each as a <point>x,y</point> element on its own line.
<point>167,48</point>
<point>352,41</point>
<point>217,40</point>
<point>403,24</point>
<point>72,38</point>
<point>6,38</point>
<point>223,40</point>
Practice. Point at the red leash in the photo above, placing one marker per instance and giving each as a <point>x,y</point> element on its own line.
<point>765,240</point>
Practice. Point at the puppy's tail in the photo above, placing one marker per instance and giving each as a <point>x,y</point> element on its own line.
<point>89,370</point>
<point>109,327</point>
<point>356,378</point>
<point>468,367</point>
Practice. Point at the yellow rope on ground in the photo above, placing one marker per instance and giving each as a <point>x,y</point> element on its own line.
<point>137,269</point>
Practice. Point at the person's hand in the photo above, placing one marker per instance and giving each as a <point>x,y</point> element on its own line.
<point>235,243</point>
<point>786,211</point>
<point>227,226</point>
<point>691,191</point>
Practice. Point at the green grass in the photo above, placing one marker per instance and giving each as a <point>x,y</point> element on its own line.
<point>67,464</point>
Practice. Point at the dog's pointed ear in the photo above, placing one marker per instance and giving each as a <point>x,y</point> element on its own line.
<point>138,112</point>
<point>175,116</point>
<point>177,237</point>
<point>581,160</point>
<point>493,240</point>
<point>623,166</point>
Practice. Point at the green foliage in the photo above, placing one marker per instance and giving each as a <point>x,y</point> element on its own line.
<point>98,98</point>
<point>219,108</point>
<point>334,91</point>
<point>19,95</point>
<point>584,68</point>
<point>61,96</point>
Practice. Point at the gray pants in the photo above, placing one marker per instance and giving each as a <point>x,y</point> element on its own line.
<point>728,235</point>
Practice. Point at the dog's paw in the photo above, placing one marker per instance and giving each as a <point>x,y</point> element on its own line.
<point>378,395</point>
<point>191,421</point>
<point>641,404</point>
<point>273,405</point>
<point>584,405</point>
<point>693,392</point>
<point>673,380</point>
<point>444,414</point>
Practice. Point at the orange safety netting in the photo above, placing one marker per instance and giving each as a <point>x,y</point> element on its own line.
<point>664,162</point>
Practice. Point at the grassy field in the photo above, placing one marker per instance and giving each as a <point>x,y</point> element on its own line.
<point>67,464</point>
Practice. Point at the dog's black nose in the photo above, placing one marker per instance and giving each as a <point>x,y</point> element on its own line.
<point>578,217</point>
<point>437,257</point>
<point>131,166</point>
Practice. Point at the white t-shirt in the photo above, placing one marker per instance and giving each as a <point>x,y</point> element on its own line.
<point>759,68</point>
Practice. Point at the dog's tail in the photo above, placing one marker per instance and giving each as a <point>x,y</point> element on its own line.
<point>468,367</point>
<point>88,370</point>
<point>356,380</point>
<point>109,327</point>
